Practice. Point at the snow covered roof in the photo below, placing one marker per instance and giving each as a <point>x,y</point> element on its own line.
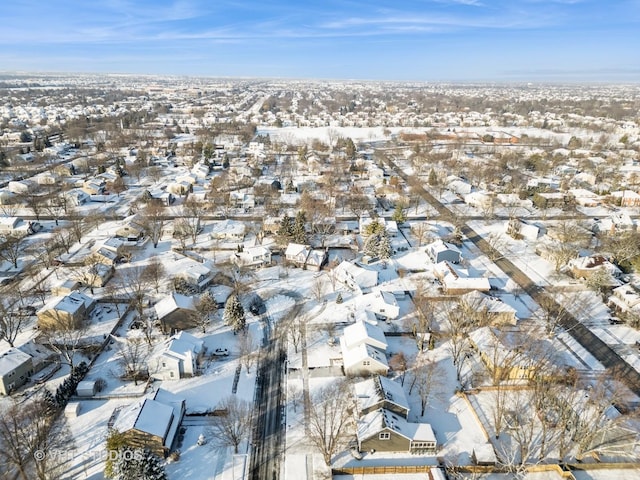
<point>364,332</point>
<point>149,416</point>
<point>378,420</point>
<point>173,302</point>
<point>11,359</point>
<point>184,342</point>
<point>354,356</point>
<point>479,301</point>
<point>71,303</point>
<point>374,390</point>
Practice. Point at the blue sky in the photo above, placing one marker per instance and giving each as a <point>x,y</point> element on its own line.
<point>421,40</point>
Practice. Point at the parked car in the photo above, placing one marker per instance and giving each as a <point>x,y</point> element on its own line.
<point>221,352</point>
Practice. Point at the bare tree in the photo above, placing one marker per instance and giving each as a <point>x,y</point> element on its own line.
<point>317,288</point>
<point>247,349</point>
<point>329,415</point>
<point>234,425</point>
<point>154,221</point>
<point>424,378</point>
<point>193,211</point>
<point>154,272</point>
<point>400,364</point>
<point>11,320</point>
<point>294,329</point>
<point>134,353</point>
<point>206,307</point>
<point>66,339</point>
<point>11,248</point>
<point>29,436</point>
<point>457,330</point>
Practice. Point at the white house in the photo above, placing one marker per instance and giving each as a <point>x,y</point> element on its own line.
<point>363,347</point>
<point>519,229</point>
<point>383,304</point>
<point>439,251</point>
<point>356,276</point>
<point>458,280</point>
<point>230,230</point>
<point>180,357</point>
<point>258,256</point>
<point>297,254</point>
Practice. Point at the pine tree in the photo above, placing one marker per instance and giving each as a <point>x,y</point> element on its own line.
<point>299,231</point>
<point>383,249</point>
<point>233,314</point>
<point>433,178</point>
<point>136,463</point>
<point>398,214</point>
<point>339,299</point>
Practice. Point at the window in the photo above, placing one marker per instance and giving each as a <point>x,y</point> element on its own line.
<point>366,363</point>
<point>171,374</point>
<point>384,436</point>
<point>164,365</point>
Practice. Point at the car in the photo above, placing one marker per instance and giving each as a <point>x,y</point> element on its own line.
<point>221,352</point>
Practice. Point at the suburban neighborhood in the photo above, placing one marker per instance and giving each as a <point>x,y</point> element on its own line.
<point>250,279</point>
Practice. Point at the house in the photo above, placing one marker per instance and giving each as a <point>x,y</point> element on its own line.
<point>197,275</point>
<point>457,281</point>
<point>297,254</point>
<point>626,198</point>
<point>625,298</point>
<point>94,186</point>
<point>363,347</point>
<point>76,197</point>
<point>440,251</point>
<point>484,309</point>
<point>21,187</point>
<point>317,257</point>
<point>505,357</point>
<point>16,367</point>
<point>132,231</point>
<point>584,198</point>
<point>519,229</point>
<point>180,357</point>
<point>69,311</point>
<point>586,267</point>
<point>482,200</point>
<point>258,256</point>
<point>152,422</point>
<point>356,276</point>
<point>381,392</point>
<point>546,200</point>
<point>385,431</point>
<point>175,312</point>
<point>383,304</point>
<point>229,230</point>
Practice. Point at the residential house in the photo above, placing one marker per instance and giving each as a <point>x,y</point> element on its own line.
<point>626,198</point>
<point>586,267</point>
<point>76,197</point>
<point>258,256</point>
<point>316,258</point>
<point>509,354</point>
<point>381,392</point>
<point>363,347</point>
<point>546,200</point>
<point>584,198</point>
<point>228,230</point>
<point>176,312</point>
<point>97,275</point>
<point>519,229</point>
<point>94,186</point>
<point>152,422</point>
<point>69,311</point>
<point>625,298</point>
<point>385,431</point>
<point>21,187</point>
<point>16,367</point>
<point>105,256</point>
<point>356,276</point>
<point>440,251</point>
<point>383,304</point>
<point>132,229</point>
<point>242,200</point>
<point>487,310</point>
<point>197,275</point>
<point>459,186</point>
<point>180,357</point>
<point>482,200</point>
<point>457,281</point>
<point>296,254</point>
<point>17,226</point>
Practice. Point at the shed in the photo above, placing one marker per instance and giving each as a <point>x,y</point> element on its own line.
<point>484,455</point>
<point>72,410</point>
<point>87,388</point>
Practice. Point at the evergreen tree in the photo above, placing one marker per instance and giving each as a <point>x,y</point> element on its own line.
<point>299,232</point>
<point>137,464</point>
<point>374,228</point>
<point>433,178</point>
<point>398,214</point>
<point>384,247</point>
<point>233,314</point>
<point>286,228</point>
<point>350,149</point>
<point>339,299</point>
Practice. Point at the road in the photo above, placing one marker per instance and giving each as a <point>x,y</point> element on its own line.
<point>268,435</point>
<point>585,337</point>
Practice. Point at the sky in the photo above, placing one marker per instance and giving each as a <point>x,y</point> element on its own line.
<point>419,40</point>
